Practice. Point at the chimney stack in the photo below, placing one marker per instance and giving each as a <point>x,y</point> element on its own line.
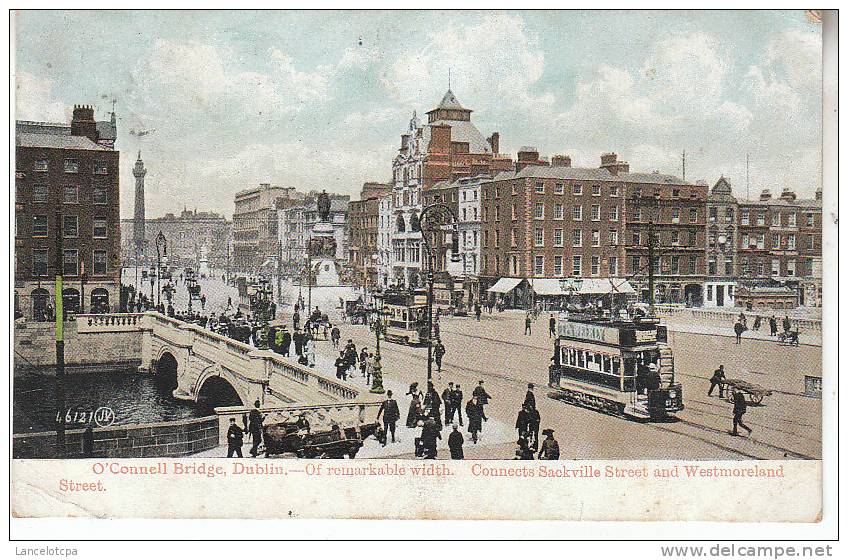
<point>765,195</point>
<point>495,142</point>
<point>609,161</point>
<point>83,123</point>
<point>788,195</point>
<point>560,161</point>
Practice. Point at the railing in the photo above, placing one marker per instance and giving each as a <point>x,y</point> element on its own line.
<point>113,322</point>
<point>729,317</point>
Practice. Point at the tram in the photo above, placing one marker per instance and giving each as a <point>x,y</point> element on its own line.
<point>404,314</point>
<point>616,366</point>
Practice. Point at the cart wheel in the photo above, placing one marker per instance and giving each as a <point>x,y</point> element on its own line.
<point>757,399</point>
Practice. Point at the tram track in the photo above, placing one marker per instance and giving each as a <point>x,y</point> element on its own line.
<point>473,372</point>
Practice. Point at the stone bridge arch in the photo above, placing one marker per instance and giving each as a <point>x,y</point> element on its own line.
<point>216,386</point>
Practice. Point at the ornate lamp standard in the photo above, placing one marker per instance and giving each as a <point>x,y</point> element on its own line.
<point>435,218</point>
<point>377,382</point>
<point>161,250</point>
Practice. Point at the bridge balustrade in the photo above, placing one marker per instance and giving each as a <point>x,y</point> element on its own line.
<point>111,322</point>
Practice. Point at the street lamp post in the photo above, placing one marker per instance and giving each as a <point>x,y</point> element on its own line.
<point>161,250</point>
<point>431,220</point>
<point>377,381</point>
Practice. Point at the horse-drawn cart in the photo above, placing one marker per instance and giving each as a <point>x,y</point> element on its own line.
<point>753,392</point>
<point>334,443</point>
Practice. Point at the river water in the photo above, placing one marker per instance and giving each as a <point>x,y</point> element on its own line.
<point>135,398</point>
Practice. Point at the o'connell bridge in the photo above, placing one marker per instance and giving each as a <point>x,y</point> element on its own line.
<point>194,364</point>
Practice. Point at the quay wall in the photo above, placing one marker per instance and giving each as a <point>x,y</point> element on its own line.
<point>86,349</point>
<point>160,439</point>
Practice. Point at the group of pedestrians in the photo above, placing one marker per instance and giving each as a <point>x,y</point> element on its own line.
<point>740,405</point>
<point>741,325</point>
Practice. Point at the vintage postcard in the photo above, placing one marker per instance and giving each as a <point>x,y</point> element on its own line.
<point>414,264</point>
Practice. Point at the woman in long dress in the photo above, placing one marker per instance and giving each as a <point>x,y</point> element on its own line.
<point>310,351</point>
<point>415,411</point>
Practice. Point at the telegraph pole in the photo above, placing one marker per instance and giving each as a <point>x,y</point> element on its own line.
<point>60,344</point>
<point>651,242</point>
<point>279,273</point>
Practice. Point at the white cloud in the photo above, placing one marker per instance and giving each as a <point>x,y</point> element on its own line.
<point>34,100</point>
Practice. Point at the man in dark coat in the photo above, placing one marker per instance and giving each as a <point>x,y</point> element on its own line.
<point>447,399</point>
<point>552,327</point>
<point>534,421</point>
<point>429,434</point>
<point>738,328</point>
<point>456,401</point>
<point>285,345</point>
<point>739,409</point>
<point>530,398</point>
<point>550,447</point>
<point>481,394</point>
<point>438,354</point>
<point>527,323</point>
<point>717,380</point>
<point>298,342</point>
<point>455,441</point>
<point>773,326</point>
<point>341,366</point>
<point>235,439</point>
<point>391,414</point>
<point>522,422</point>
<point>255,427</point>
<point>296,320</point>
<point>476,417</point>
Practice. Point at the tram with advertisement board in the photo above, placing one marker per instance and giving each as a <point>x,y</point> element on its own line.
<point>404,314</point>
<point>617,366</point>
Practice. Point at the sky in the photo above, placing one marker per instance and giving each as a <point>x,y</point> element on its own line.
<point>218,101</point>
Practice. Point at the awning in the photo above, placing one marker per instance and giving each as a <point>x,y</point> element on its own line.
<point>505,285</point>
<point>546,286</point>
<point>580,286</point>
<point>606,286</point>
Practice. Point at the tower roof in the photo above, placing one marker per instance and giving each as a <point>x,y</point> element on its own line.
<point>449,102</point>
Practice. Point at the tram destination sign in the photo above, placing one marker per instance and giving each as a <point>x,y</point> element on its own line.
<point>587,331</point>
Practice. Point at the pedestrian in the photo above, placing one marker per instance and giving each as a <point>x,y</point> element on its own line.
<point>552,327</point>
<point>523,452</point>
<point>255,427</point>
<point>550,447</point>
<point>743,320</point>
<point>717,380</point>
<point>522,422</point>
<point>363,361</point>
<point>235,439</point>
<point>310,351</point>
<point>738,328</point>
<point>787,324</point>
<point>229,302</point>
<point>456,400</point>
<point>757,322</point>
<point>455,441</point>
<point>391,414</point>
<point>740,407</point>
<point>527,323</point>
<point>430,432</point>
<point>533,423</point>
<point>341,366</point>
<point>477,311</point>
<point>203,301</point>
<point>416,412</point>
<point>369,368</point>
<point>530,398</point>
<point>476,416</point>
<point>336,336</point>
<point>438,354</point>
<point>298,342</point>
<point>285,343</point>
<point>447,398</point>
<point>481,394</point>
<point>773,325</point>
<point>296,320</point>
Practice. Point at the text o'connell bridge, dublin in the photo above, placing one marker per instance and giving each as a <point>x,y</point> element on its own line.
<point>214,377</point>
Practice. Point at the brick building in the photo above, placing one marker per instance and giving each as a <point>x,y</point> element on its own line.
<point>554,220</point>
<point>364,215</point>
<point>448,147</point>
<point>255,224</point>
<point>722,227</point>
<point>67,183</point>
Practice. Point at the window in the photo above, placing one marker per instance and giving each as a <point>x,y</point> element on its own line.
<point>793,219</point>
<point>558,189</point>
<point>596,265</point>
<point>613,214</point>
<point>693,264</point>
<point>693,238</point>
<point>713,214</point>
<point>728,266</point>
<point>745,241</point>
<point>576,265</point>
<point>711,266</point>
<point>728,215</point>
<point>675,237</point>
<point>514,213</point>
<point>39,226</point>
<point>559,212</point>
<point>577,213</point>
<point>775,218</point>
<point>761,218</point>
<point>39,262</point>
<point>69,262</point>
<point>775,267</point>
<point>675,264</point>
<point>577,190</point>
<point>775,241</point>
<point>100,228</point>
<point>712,239</point>
<point>809,220</point>
<point>497,213</point>
<point>596,238</point>
<point>539,237</point>
<point>613,237</point>
<point>637,238</point>
<point>613,266</point>
<point>636,264</point>
<point>693,215</point>
<point>743,265</point>
<point>41,165</point>
<point>539,265</point>
<point>514,188</point>
<point>675,193</point>
<point>637,214</point>
<point>539,211</point>
<point>790,241</point>
<point>558,266</point>
<point>40,193</point>
<point>558,238</point>
<point>596,212</point>
<point>790,268</point>
<point>513,238</point>
<point>577,238</point>
<point>637,192</point>
<point>540,188</point>
<point>100,168</point>
<point>761,241</point>
<point>497,238</point>
<point>596,190</point>
<point>614,191</point>
<point>99,262</point>
<point>70,195</point>
<point>70,226</point>
<point>746,217</point>
<point>71,166</point>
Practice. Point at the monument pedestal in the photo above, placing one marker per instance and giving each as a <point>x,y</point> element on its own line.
<point>323,255</point>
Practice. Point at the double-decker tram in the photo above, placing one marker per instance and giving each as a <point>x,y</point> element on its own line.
<point>404,314</point>
<point>617,366</point>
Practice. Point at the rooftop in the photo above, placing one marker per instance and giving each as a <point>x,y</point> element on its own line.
<point>56,141</point>
<point>588,174</point>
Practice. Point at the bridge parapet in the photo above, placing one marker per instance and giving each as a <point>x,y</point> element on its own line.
<point>111,322</point>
